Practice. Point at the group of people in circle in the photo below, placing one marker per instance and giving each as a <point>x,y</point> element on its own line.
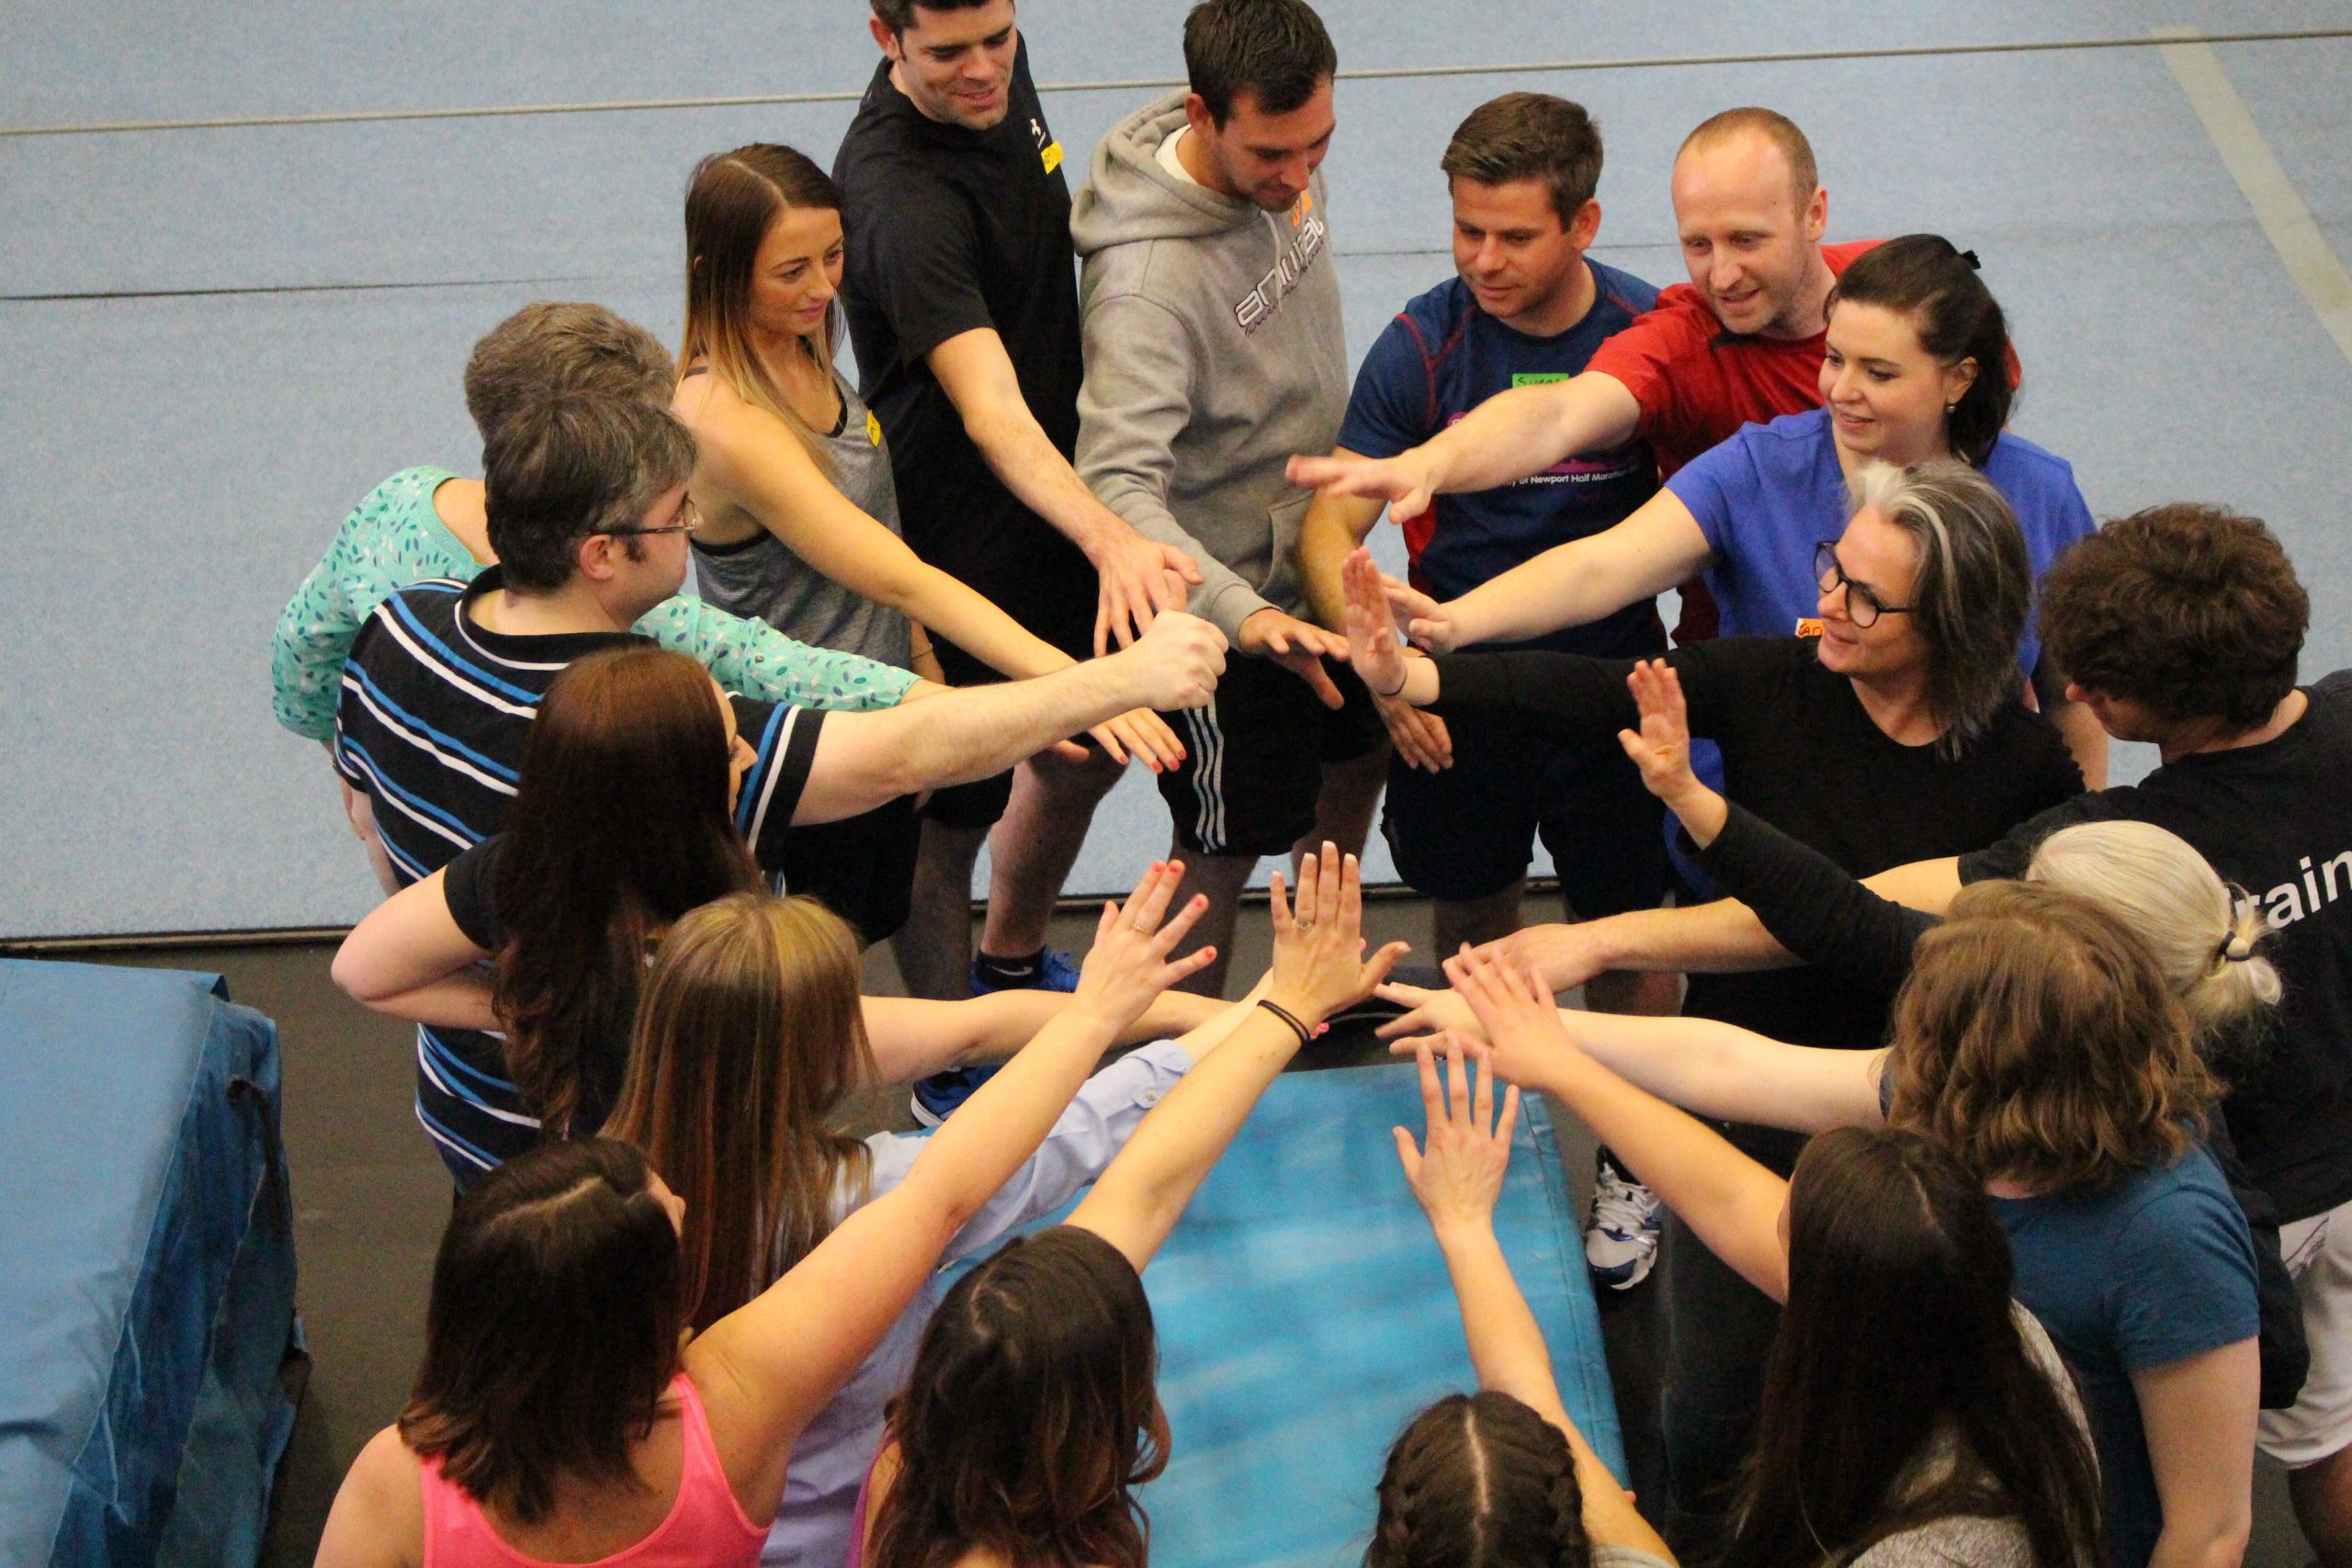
<point>2000,1123</point>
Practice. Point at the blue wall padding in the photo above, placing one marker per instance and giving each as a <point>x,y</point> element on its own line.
<point>147,1292</point>
<point>1305,1316</point>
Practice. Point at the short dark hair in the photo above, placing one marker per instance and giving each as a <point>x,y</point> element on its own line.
<point>899,15</point>
<point>2190,611</point>
<point>562,467</point>
<point>1930,280</point>
<point>1529,136</point>
<point>1479,1478</point>
<point>1804,173</point>
<point>553,1326</point>
<point>1275,50</point>
<point>555,346</point>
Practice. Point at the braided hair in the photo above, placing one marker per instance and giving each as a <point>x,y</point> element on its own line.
<point>1480,1481</point>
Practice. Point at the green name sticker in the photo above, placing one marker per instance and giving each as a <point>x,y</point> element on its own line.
<point>1537,378</point>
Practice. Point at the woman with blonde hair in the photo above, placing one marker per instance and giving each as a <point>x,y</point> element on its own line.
<point>800,518</point>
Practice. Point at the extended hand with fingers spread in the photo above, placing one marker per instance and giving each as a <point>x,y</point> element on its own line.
<point>1458,1174</point>
<point>1661,749</point>
<point>1319,966</point>
<point>1128,964</point>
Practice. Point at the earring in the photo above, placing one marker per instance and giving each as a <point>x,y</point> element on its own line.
<point>1950,409</point>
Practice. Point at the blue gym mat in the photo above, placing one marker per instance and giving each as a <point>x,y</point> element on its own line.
<point>1305,1316</point>
<point>147,1290</point>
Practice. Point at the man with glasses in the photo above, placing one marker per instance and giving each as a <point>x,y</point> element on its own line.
<point>588,516</point>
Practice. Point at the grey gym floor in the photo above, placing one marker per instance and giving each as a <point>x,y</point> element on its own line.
<point>244,250</point>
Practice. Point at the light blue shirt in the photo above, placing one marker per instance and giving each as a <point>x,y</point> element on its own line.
<point>812,1525</point>
<point>1768,495</point>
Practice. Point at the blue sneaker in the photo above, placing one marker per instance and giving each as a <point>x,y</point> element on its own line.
<point>1620,1239</point>
<point>937,1096</point>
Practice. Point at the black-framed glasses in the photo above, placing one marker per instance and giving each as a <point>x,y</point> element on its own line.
<point>1864,606</point>
<point>686,520</point>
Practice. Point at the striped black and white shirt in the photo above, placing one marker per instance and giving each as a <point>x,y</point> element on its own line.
<point>431,726</point>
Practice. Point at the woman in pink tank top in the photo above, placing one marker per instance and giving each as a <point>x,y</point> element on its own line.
<point>562,1416</point>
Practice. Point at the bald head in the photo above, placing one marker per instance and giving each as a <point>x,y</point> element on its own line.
<point>1756,139</point>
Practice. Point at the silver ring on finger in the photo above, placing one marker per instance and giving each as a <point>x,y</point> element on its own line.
<point>1306,925</point>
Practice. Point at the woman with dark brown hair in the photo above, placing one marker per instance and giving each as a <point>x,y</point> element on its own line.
<point>561,1413</point>
<point>800,516</point>
<point>1032,1411</point>
<point>2038,1044</point>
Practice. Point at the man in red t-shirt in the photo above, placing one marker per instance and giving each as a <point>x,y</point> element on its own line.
<point>1740,343</point>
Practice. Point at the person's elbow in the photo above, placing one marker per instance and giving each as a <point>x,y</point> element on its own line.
<point>361,979</point>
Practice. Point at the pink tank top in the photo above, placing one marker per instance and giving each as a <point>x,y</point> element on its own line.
<point>706,1528</point>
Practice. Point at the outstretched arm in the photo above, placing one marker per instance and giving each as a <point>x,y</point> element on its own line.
<point>1730,1200</point>
<point>862,760</point>
<point>1139,577</point>
<point>1573,584</point>
<point>765,1369</point>
<point>1457,1178</point>
<point>913,1038</point>
<point>1318,970</point>
<point>1509,437</point>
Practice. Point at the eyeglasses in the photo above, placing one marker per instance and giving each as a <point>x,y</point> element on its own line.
<point>686,520</point>
<point>1864,606</point>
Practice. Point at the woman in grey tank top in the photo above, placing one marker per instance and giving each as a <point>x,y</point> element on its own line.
<point>801,524</point>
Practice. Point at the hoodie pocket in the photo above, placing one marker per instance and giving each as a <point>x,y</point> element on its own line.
<point>1281,587</point>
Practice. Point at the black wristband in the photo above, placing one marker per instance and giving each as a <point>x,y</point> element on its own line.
<point>1303,1034</point>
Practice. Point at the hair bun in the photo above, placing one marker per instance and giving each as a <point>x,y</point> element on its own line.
<point>1973,265</point>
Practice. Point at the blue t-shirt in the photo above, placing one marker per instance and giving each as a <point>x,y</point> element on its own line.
<point>1442,357</point>
<point>2154,1270</point>
<point>1768,495</point>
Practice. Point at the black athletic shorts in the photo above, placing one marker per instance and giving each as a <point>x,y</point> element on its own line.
<point>1055,600</point>
<point>1254,757</point>
<point>1466,832</point>
<point>862,868</point>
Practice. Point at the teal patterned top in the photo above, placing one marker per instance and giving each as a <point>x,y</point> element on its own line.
<point>394,538</point>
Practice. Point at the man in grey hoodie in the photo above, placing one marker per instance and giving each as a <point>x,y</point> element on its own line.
<point>1213,350</point>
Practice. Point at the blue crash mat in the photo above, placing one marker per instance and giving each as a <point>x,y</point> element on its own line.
<point>147,1279</point>
<point>1305,1316</point>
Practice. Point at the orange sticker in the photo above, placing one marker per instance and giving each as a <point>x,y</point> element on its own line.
<point>1808,626</point>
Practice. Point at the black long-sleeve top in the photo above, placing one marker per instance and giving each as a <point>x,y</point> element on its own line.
<point>1801,752</point>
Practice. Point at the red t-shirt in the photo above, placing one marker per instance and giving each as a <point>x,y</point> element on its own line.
<point>1698,384</point>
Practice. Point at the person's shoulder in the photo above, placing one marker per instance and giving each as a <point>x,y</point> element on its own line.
<point>2015,459</point>
<point>1619,291</point>
<point>1434,318</point>
<point>389,1495</point>
<point>1971,1539</point>
<point>1842,255</point>
<point>2333,690</point>
<point>1678,317</point>
<point>1616,1554</point>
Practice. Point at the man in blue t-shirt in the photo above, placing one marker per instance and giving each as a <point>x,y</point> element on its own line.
<point>1466,801</point>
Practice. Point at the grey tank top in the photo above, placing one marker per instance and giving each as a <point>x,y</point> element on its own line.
<point>761,576</point>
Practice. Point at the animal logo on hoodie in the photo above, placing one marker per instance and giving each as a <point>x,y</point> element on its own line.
<point>1257,308</point>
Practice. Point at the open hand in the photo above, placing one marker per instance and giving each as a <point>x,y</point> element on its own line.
<point>1421,739</point>
<point>1138,578</point>
<point>1297,646</point>
<point>1142,734</point>
<point>1564,956</point>
<point>1522,1022</point>
<point>1427,1014</point>
<point>1319,966</point>
<point>1458,1174</point>
<point>1128,964</point>
<point>1372,644</point>
<point>1403,480</point>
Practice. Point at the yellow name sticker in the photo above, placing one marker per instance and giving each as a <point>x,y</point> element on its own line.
<point>873,428</point>
<point>1052,155</point>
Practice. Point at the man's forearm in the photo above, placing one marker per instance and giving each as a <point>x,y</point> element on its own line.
<point>1528,429</point>
<point>977,732</point>
<point>1334,525</point>
<point>1721,938</point>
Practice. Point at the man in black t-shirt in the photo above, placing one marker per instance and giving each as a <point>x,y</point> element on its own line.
<point>961,296</point>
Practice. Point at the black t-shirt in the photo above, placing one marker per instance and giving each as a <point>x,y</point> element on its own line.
<point>2276,821</point>
<point>469,887</point>
<point>1802,753</point>
<point>949,230</point>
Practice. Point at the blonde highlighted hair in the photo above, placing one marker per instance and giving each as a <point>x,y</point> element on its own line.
<point>2039,1040</point>
<point>2203,938</point>
<point>732,200</point>
<point>749,1032</point>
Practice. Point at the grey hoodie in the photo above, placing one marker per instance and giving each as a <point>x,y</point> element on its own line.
<point>1213,350</point>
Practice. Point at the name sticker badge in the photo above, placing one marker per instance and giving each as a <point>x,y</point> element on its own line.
<point>873,428</point>
<point>1808,626</point>
<point>1537,378</point>
<point>1052,156</point>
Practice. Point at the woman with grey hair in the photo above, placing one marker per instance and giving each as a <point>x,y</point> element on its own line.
<point>1902,723</point>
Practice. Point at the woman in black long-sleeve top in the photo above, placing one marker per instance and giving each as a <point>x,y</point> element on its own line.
<point>1898,733</point>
